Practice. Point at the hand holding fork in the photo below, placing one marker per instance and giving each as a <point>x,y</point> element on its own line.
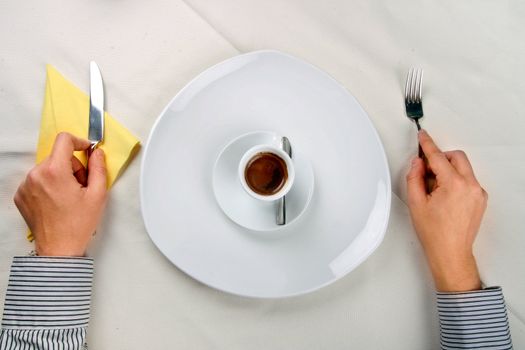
<point>414,111</point>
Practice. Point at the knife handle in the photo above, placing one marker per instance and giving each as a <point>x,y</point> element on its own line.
<point>91,149</point>
<point>89,152</point>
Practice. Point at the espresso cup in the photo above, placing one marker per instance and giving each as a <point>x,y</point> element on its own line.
<point>266,172</point>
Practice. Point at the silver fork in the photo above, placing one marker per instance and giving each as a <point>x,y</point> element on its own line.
<point>413,100</point>
<point>414,110</point>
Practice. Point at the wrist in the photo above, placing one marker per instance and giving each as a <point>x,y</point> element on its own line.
<point>456,273</point>
<point>58,251</point>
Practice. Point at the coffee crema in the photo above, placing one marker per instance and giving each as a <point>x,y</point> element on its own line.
<point>266,173</point>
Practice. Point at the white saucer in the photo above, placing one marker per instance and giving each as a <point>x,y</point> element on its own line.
<point>265,90</point>
<point>242,208</point>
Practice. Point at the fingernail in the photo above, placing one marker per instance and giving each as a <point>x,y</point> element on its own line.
<point>423,131</point>
<point>100,152</point>
<point>414,161</point>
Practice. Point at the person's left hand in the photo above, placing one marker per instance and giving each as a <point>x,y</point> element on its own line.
<point>60,204</point>
<point>447,220</point>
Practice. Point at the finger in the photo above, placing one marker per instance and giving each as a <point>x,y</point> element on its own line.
<point>65,145</point>
<point>97,178</point>
<point>79,171</point>
<point>416,183</point>
<point>459,160</point>
<point>437,160</point>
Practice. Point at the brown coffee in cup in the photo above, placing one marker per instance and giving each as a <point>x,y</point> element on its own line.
<point>266,173</point>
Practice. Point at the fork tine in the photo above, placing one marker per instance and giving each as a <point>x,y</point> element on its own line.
<point>420,85</point>
<point>407,86</point>
<point>413,86</point>
<point>415,82</point>
<point>410,87</point>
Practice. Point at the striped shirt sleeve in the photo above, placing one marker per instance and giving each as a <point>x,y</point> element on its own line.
<point>474,320</point>
<point>47,303</point>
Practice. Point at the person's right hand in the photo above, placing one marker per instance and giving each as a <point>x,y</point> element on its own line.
<point>61,207</point>
<point>447,220</point>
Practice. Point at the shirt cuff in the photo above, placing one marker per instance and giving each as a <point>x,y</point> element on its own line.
<point>48,292</point>
<point>477,319</point>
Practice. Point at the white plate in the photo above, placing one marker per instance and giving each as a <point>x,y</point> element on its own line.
<point>242,208</point>
<point>265,90</point>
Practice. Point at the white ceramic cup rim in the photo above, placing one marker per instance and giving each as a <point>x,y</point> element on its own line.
<point>270,149</point>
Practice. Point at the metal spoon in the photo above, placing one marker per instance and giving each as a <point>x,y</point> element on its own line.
<point>281,205</point>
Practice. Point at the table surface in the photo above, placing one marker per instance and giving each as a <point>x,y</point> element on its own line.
<point>472,53</point>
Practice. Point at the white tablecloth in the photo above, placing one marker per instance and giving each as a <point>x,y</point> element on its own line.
<point>472,53</point>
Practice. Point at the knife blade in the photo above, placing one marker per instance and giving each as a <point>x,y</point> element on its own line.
<point>96,107</point>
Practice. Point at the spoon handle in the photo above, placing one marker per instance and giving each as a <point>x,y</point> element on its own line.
<point>281,211</point>
<point>281,205</point>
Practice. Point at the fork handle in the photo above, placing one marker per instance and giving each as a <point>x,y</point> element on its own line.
<point>417,124</point>
<point>430,177</point>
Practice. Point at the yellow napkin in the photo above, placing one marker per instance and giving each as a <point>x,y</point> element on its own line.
<point>66,108</point>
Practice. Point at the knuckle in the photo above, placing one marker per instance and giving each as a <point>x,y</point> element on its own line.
<point>460,182</point>
<point>458,153</point>
<point>51,170</point>
<point>33,177</point>
<point>477,191</point>
<point>45,171</point>
<point>17,198</point>
<point>464,158</point>
<point>485,194</point>
<point>62,135</point>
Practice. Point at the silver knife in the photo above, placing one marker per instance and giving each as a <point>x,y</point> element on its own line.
<point>96,108</point>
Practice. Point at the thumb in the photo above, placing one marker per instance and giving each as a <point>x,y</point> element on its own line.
<point>97,180</point>
<point>416,183</point>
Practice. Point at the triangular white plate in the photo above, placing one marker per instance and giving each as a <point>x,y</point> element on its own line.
<point>265,90</point>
